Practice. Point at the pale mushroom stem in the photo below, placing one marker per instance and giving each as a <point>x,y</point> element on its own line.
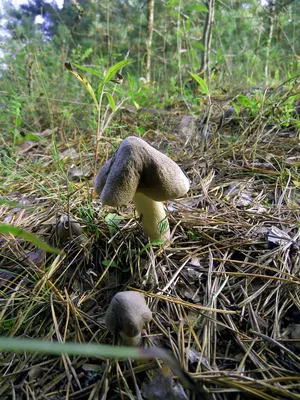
<point>153,216</point>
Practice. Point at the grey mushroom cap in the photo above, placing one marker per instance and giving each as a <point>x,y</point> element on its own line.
<point>127,313</point>
<point>137,167</point>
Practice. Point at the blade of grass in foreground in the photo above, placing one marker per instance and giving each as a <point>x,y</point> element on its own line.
<point>90,349</point>
<point>93,350</point>
<point>30,237</point>
<point>11,203</point>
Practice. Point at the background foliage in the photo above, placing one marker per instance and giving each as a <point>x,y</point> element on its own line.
<point>38,37</point>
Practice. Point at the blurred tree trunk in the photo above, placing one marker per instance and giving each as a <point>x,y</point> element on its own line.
<point>271,10</point>
<point>150,19</point>
<point>206,40</point>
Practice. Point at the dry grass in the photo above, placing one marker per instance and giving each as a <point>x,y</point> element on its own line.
<point>222,295</point>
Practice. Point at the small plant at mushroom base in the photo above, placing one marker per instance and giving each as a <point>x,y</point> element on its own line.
<point>126,316</point>
<point>97,96</point>
<point>113,75</point>
<point>141,173</point>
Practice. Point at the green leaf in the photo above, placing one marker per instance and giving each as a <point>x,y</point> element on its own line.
<point>13,204</point>
<point>87,53</point>
<point>111,101</point>
<point>188,24</point>
<point>100,88</point>
<point>198,45</point>
<point>171,3</point>
<point>114,69</point>
<point>237,108</point>
<point>136,105</point>
<point>155,242</point>
<point>30,237</point>
<point>113,221</point>
<point>130,81</point>
<point>110,263</point>
<point>96,350</point>
<point>82,79</point>
<point>163,225</point>
<point>90,70</point>
<point>18,121</point>
<point>199,7</point>
<point>244,101</point>
<point>88,349</point>
<point>32,137</point>
<point>203,87</point>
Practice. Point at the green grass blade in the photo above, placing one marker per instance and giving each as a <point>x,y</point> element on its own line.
<point>14,204</point>
<point>94,350</point>
<point>30,237</point>
<point>87,349</point>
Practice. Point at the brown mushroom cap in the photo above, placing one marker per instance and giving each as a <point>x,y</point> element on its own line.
<point>138,167</point>
<point>127,314</point>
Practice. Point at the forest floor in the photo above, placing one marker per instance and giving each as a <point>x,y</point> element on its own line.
<point>225,293</point>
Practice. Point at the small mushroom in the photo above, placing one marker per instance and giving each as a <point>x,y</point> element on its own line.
<point>126,316</point>
<point>229,113</point>
<point>141,173</point>
<point>292,331</point>
<point>68,229</point>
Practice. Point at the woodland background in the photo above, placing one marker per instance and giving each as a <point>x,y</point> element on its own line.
<point>234,44</point>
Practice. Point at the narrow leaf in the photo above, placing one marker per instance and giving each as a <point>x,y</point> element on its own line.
<point>111,101</point>
<point>18,121</point>
<point>198,45</point>
<point>30,237</point>
<point>153,243</point>
<point>82,79</point>
<point>32,137</point>
<point>95,350</point>
<point>130,81</point>
<point>163,225</point>
<point>237,108</point>
<point>110,263</point>
<point>171,3</point>
<point>90,70</point>
<point>136,105</point>
<point>244,101</point>
<point>14,204</point>
<point>202,85</point>
<point>114,69</point>
<point>199,7</point>
<point>100,88</point>
<point>92,350</point>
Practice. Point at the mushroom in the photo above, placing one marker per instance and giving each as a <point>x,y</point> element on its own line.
<point>126,316</point>
<point>68,229</point>
<point>141,173</point>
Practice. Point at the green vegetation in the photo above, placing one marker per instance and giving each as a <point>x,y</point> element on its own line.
<point>215,86</point>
